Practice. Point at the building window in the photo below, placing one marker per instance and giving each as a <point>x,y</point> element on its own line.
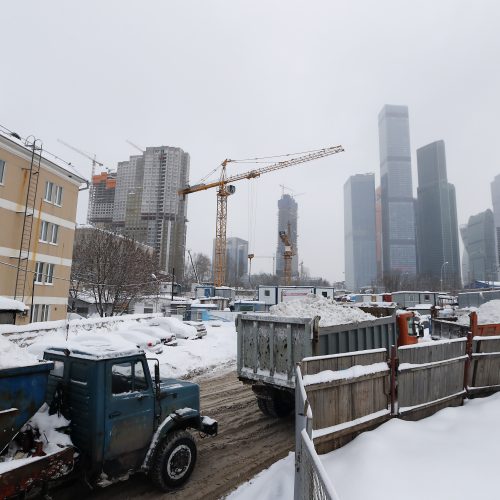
<point>54,232</point>
<point>44,229</point>
<point>41,312</point>
<point>267,293</point>
<point>39,273</point>
<point>49,232</point>
<point>58,196</point>
<point>53,193</point>
<point>2,170</point>
<point>48,191</point>
<point>49,275</point>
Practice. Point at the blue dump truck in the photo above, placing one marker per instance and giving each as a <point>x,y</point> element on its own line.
<point>122,421</point>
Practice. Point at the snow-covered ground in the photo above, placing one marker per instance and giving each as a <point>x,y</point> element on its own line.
<point>452,455</point>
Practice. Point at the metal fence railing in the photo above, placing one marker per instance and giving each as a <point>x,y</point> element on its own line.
<point>311,479</point>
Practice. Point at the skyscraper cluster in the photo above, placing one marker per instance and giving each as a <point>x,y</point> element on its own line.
<point>141,201</point>
<point>390,236</point>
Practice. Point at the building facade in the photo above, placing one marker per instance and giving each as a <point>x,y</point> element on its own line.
<point>236,260</point>
<point>478,237</point>
<point>495,199</point>
<point>102,199</point>
<point>437,225</point>
<point>287,220</point>
<point>398,212</point>
<point>147,206</point>
<point>38,200</point>
<point>360,231</point>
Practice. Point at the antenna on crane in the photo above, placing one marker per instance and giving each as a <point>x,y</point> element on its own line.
<point>83,153</point>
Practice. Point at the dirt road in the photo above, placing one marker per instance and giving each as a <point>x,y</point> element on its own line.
<point>247,443</point>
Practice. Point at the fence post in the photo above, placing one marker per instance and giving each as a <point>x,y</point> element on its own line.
<point>300,423</point>
<point>468,361</point>
<point>393,367</point>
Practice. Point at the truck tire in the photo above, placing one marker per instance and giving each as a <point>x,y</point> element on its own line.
<point>279,405</point>
<point>174,461</point>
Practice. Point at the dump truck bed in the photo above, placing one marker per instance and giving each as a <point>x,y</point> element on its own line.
<point>269,346</point>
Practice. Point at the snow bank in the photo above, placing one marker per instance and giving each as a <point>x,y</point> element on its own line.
<point>426,458</point>
<point>331,312</point>
<point>488,313</point>
<point>12,356</point>
<point>326,376</point>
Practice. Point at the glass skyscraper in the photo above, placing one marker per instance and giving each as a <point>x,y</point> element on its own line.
<point>398,210</point>
<point>359,231</point>
<point>437,225</point>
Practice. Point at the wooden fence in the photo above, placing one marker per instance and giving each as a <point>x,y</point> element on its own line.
<point>353,392</point>
<point>430,376</point>
<point>348,393</point>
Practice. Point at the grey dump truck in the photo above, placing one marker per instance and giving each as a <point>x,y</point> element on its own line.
<point>269,347</point>
<point>123,420</point>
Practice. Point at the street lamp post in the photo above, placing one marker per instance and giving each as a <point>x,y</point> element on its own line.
<point>442,267</point>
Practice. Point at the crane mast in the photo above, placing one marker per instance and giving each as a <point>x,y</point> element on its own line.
<point>224,189</point>
<point>288,253</point>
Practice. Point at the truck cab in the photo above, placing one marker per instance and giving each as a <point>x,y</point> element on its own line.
<point>123,420</point>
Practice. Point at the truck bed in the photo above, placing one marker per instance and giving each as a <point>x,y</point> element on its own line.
<point>269,346</point>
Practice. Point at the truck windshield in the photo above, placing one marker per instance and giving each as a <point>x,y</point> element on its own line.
<point>128,377</point>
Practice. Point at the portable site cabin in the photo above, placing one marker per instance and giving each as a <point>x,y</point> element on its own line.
<point>272,294</point>
<point>412,298</point>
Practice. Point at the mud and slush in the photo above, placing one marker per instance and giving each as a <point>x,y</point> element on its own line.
<point>247,443</point>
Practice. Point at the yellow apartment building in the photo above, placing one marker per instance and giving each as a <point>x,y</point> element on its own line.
<point>38,199</point>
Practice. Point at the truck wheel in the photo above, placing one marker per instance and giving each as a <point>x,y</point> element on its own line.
<point>278,405</point>
<point>262,403</point>
<point>174,461</point>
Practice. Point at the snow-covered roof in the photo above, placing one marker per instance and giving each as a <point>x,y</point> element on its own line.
<point>97,351</point>
<point>12,305</point>
<point>51,159</point>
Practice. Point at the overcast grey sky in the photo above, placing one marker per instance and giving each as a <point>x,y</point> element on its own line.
<point>240,79</point>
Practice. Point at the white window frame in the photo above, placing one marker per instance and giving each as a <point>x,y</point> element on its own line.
<point>2,171</point>
<point>45,312</point>
<point>54,234</point>
<point>44,231</point>
<point>58,196</point>
<point>39,273</point>
<point>49,274</point>
<point>49,187</point>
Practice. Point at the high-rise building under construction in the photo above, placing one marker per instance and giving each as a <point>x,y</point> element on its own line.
<point>147,207</point>
<point>287,221</point>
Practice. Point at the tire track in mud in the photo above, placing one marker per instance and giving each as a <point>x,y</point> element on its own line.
<point>248,442</point>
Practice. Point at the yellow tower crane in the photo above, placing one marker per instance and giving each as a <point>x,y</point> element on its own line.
<point>224,189</point>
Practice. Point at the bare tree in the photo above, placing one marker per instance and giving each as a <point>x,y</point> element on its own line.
<point>113,269</point>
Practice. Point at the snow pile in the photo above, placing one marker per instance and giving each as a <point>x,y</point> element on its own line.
<point>326,376</point>
<point>11,305</point>
<point>426,458</point>
<point>331,312</point>
<point>12,356</point>
<point>51,438</point>
<point>487,314</point>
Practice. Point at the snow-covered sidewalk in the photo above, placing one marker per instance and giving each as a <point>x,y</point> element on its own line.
<point>452,455</point>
